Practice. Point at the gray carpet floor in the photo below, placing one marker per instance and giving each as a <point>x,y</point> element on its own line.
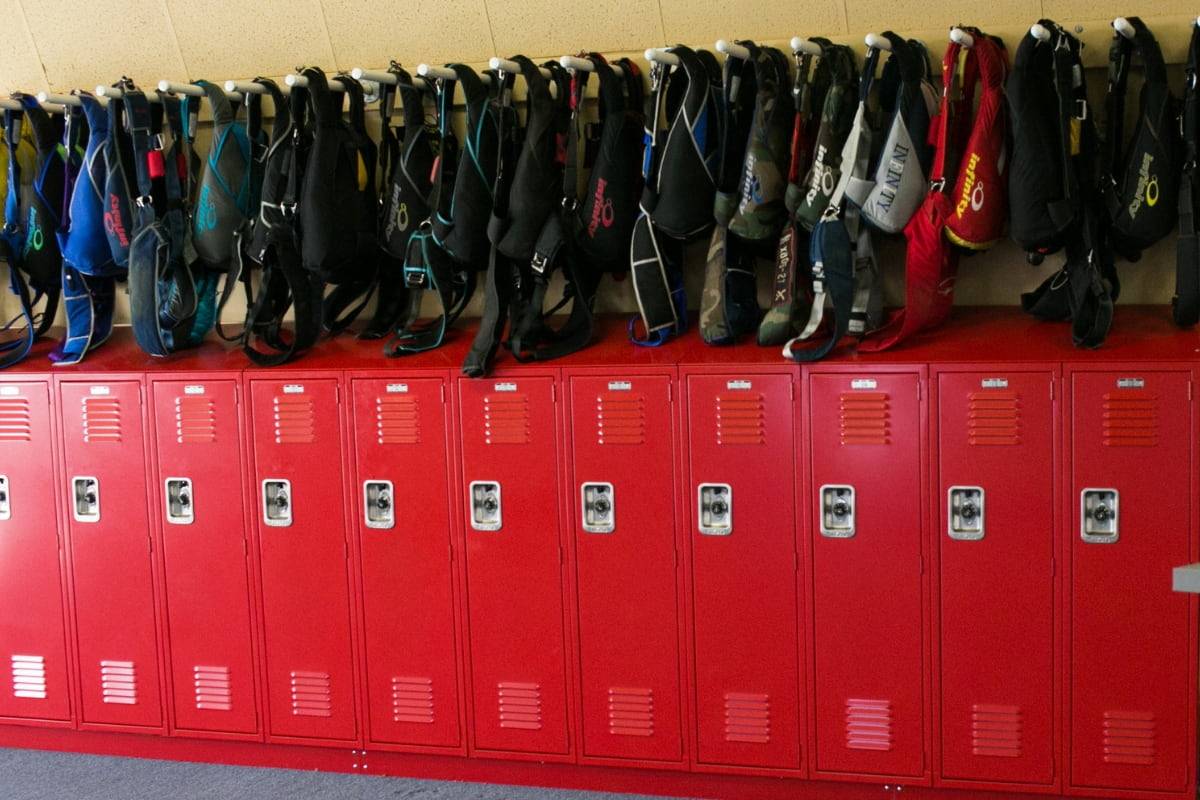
<point>36,775</point>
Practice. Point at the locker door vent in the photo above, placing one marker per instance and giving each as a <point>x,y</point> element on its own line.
<point>195,420</point>
<point>630,712</point>
<point>869,724</point>
<point>741,418</point>
<point>29,677</point>
<point>397,419</point>
<point>412,700</point>
<point>620,418</point>
<point>865,418</point>
<point>747,718</point>
<point>214,689</point>
<point>996,731</point>
<point>311,694</point>
<point>1130,421</point>
<point>994,419</point>
<point>101,420</point>
<point>118,682</point>
<point>14,420</point>
<point>1129,738</point>
<point>506,418</point>
<point>520,705</point>
<point>294,422</point>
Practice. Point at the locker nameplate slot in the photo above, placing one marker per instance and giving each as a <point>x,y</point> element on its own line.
<point>965,509</point>
<point>85,504</point>
<point>277,502</point>
<point>599,507</point>
<point>5,506</point>
<point>181,509</point>
<point>1099,515</point>
<point>485,506</point>
<point>715,501</point>
<point>837,512</point>
<point>379,508</point>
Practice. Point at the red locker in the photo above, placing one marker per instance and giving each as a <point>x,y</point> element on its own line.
<point>741,497</point>
<point>514,564</point>
<point>623,510</point>
<point>401,491</point>
<point>996,543</point>
<point>1132,673</point>
<point>299,514</point>
<point>202,525</point>
<point>33,641</point>
<point>104,485</point>
<point>866,489</point>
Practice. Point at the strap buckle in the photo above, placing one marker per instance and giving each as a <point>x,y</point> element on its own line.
<point>1082,105</point>
<point>143,200</point>
<point>288,209</point>
<point>937,185</point>
<point>538,263</point>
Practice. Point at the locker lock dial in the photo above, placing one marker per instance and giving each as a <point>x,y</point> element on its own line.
<point>179,501</point>
<point>5,508</point>
<point>599,514</point>
<point>277,502</point>
<point>1100,513</point>
<point>485,506</point>
<point>86,505</point>
<point>837,512</point>
<point>380,511</point>
<point>966,513</point>
<point>716,509</point>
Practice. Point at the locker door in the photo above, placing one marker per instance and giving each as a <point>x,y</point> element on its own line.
<point>741,491</point>
<point>401,492</point>
<point>33,641</point>
<point>996,539</point>
<point>1129,633</point>
<point>297,491</point>
<point>203,525</point>
<point>514,576</point>
<point>105,486</point>
<point>867,608</point>
<point>624,523</point>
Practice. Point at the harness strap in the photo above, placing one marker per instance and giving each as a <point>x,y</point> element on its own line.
<point>1185,306</point>
<point>500,283</point>
<point>532,339</point>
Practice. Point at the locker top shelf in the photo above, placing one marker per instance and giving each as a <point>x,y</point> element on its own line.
<point>972,335</point>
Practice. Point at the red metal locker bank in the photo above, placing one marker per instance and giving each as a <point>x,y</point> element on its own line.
<point>296,488</point>
<point>201,519</point>
<point>510,502</point>
<point>865,438</point>
<point>33,635</point>
<point>995,533</point>
<point>400,488</point>
<point>740,495</point>
<point>622,478</point>
<point>1131,640</point>
<point>104,491</point>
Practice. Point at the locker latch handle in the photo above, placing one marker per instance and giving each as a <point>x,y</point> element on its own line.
<point>180,509</point>
<point>85,506</point>
<point>5,507</point>
<point>965,511</point>
<point>837,512</point>
<point>277,502</point>
<point>715,502</point>
<point>1099,516</point>
<point>378,506</point>
<point>599,507</point>
<point>486,511</point>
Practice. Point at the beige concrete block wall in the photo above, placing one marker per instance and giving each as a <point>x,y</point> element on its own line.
<point>65,44</point>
